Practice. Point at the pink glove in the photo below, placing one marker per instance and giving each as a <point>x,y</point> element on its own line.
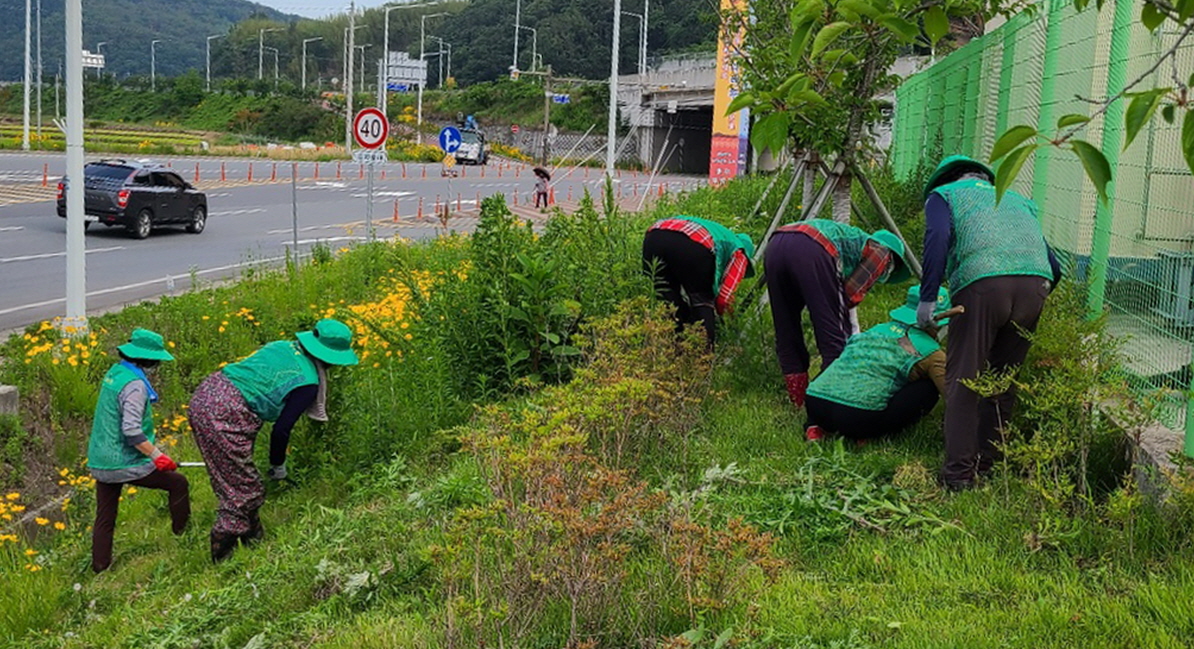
<point>164,463</point>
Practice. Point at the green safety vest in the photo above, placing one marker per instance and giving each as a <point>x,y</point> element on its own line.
<point>725,243</point>
<point>107,450</point>
<point>269,374</point>
<point>848,240</point>
<point>873,367</point>
<point>992,240</point>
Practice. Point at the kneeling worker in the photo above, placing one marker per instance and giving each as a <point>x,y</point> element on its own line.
<point>886,379</point>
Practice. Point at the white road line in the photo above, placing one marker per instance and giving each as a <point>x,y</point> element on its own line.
<point>50,255</point>
<point>328,240</point>
<point>12,228</point>
<point>129,287</point>
<point>237,212</point>
<point>309,228</point>
<point>386,195</point>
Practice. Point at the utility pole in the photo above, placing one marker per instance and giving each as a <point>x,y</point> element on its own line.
<point>275,51</point>
<point>517,23</point>
<point>611,132</point>
<point>76,246</point>
<point>209,39</point>
<point>352,42</point>
<point>440,54</point>
<point>57,80</point>
<point>423,57</point>
<point>261,49</point>
<point>305,41</point>
<point>546,112</point>
<point>362,48</point>
<point>646,31</point>
<point>153,66</point>
<point>28,73</point>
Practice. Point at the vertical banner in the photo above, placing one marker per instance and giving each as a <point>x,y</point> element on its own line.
<point>727,158</point>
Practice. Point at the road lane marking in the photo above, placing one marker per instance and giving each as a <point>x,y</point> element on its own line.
<point>237,212</point>
<point>51,255</point>
<point>12,228</point>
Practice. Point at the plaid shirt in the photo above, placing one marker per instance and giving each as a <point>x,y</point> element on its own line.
<point>875,263</point>
<point>735,271</point>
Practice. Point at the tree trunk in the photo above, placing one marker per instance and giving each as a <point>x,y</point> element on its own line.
<point>810,176</point>
<point>841,197</point>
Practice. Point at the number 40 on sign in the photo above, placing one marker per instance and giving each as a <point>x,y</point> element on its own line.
<point>370,128</point>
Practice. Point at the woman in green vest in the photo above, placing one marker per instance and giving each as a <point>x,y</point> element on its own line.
<point>278,383</point>
<point>697,265</point>
<point>993,255</point>
<point>886,379</point>
<point>121,448</point>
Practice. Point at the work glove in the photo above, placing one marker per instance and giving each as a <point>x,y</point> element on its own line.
<point>924,316</point>
<point>797,387</point>
<point>162,462</point>
<point>277,472</point>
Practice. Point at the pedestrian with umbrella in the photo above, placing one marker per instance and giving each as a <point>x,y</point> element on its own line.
<point>278,383</point>
<point>697,265</point>
<point>122,447</point>
<point>542,177</point>
<point>994,257</point>
<point>828,268</point>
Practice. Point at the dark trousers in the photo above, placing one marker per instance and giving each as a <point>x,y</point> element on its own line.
<point>683,270</point>
<point>911,403</point>
<point>540,196</point>
<point>107,504</point>
<point>988,337</point>
<point>801,273</point>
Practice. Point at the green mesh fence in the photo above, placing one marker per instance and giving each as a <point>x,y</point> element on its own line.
<point>1138,249</point>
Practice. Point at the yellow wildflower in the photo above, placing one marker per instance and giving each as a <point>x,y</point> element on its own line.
<point>59,525</point>
<point>41,521</point>
<point>30,552</point>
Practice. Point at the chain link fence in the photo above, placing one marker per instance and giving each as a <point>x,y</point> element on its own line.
<point>581,147</point>
<point>1137,249</point>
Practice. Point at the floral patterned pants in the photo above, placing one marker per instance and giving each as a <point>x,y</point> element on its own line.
<point>225,429</point>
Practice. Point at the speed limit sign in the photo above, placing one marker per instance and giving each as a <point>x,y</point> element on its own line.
<point>370,128</point>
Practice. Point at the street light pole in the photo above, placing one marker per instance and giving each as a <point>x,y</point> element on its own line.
<point>351,46</point>
<point>209,39</point>
<point>28,72</point>
<point>261,49</point>
<point>534,45</point>
<point>362,48</point>
<point>153,64</point>
<point>99,49</point>
<point>305,41</point>
<point>39,72</point>
<point>641,30</point>
<point>517,23</point>
<point>423,57</point>
<point>611,132</point>
<point>76,247</point>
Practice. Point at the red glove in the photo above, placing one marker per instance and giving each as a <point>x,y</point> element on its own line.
<point>797,387</point>
<point>164,463</point>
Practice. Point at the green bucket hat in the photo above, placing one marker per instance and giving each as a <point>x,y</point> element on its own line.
<point>146,345</point>
<point>951,164</point>
<point>894,243</point>
<point>907,313</point>
<point>330,342</point>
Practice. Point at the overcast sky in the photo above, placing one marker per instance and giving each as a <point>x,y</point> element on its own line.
<point>316,8</point>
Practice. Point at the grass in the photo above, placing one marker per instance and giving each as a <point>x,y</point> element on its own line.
<point>876,555</point>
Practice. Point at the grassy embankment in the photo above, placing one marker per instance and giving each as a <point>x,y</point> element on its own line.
<point>415,520</point>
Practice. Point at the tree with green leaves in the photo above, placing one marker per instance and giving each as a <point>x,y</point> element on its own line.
<point>814,69</point>
<point>1145,98</point>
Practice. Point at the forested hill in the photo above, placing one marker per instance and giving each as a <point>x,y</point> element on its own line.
<point>128,26</point>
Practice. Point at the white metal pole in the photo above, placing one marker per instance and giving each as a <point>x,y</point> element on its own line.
<point>76,278</point>
<point>646,31</point>
<point>153,65</point>
<point>209,39</point>
<point>423,81</point>
<point>28,72</point>
<point>517,23</point>
<point>352,43</point>
<point>305,41</point>
<point>260,54</point>
<point>99,49</point>
<point>382,94</point>
<point>611,132</point>
<point>39,73</point>
<point>449,46</point>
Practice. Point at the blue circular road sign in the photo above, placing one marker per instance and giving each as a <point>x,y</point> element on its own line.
<point>449,139</point>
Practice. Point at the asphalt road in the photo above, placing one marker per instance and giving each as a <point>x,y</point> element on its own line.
<point>250,222</point>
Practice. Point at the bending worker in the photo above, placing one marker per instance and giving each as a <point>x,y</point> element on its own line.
<point>887,378</point>
<point>122,447</point>
<point>279,383</point>
<point>697,265</point>
<point>999,268</point>
<point>828,267</point>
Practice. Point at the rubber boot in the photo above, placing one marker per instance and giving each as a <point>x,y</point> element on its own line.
<point>222,545</point>
<point>256,532</point>
<point>797,387</point>
<point>815,433</point>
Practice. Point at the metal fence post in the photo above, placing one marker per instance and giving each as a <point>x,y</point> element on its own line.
<point>1045,121</point>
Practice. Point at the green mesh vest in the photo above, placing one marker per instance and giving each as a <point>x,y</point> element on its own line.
<point>873,367</point>
<point>848,240</point>
<point>265,378</point>
<point>725,242</point>
<point>992,240</point>
<point>107,450</point>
